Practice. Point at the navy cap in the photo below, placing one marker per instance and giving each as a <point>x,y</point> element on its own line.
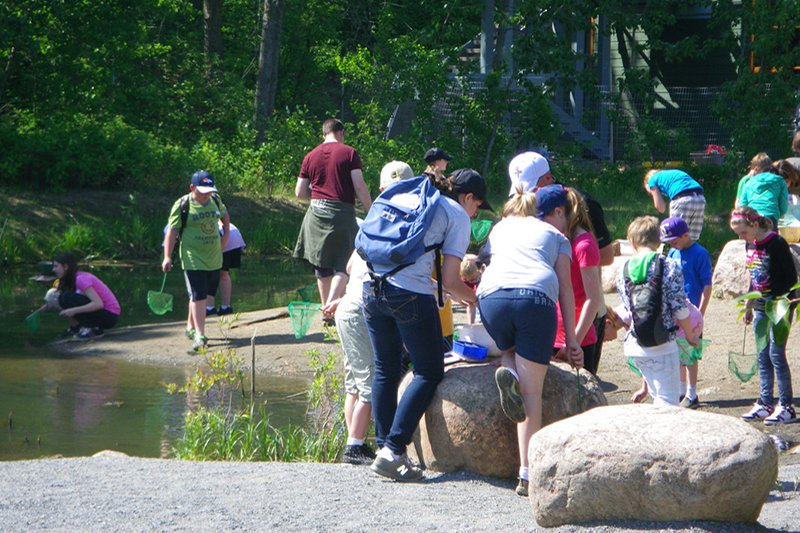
<point>203,182</point>
<point>548,198</point>
<point>672,228</point>
<point>467,181</point>
<point>435,154</point>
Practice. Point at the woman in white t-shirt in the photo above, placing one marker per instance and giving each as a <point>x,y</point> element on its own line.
<point>529,272</point>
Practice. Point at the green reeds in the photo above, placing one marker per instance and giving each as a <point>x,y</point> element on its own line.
<point>218,433</point>
<point>211,435</point>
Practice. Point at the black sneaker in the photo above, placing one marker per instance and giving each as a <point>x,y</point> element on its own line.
<point>358,454</point>
<point>69,332</point>
<point>211,312</point>
<point>86,334</point>
<point>522,487</point>
<point>401,469</point>
<point>225,311</point>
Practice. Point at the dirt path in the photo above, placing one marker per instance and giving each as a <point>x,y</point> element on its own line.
<point>278,351</point>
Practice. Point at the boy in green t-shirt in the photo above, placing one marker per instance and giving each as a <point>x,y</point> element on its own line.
<point>200,250</point>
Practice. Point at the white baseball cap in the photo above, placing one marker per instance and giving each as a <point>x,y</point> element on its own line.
<point>526,169</point>
<point>395,171</point>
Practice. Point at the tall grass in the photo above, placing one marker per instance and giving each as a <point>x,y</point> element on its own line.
<point>217,432</point>
<point>211,435</point>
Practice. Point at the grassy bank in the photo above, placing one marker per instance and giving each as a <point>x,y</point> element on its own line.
<point>128,226</point>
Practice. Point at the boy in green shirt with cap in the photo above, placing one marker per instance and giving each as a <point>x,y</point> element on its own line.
<point>194,218</point>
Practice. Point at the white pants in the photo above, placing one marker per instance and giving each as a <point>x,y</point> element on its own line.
<point>662,374</point>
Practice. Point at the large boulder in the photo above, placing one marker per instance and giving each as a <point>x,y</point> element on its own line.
<point>641,462</point>
<point>730,273</point>
<point>465,429</point>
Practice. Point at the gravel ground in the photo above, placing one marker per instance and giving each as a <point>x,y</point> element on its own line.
<point>115,493</point>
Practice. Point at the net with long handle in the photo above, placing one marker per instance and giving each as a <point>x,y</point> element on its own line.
<point>33,322</point>
<point>743,365</point>
<point>159,302</point>
<point>480,230</point>
<point>302,314</point>
<point>308,293</point>
<point>688,354</point>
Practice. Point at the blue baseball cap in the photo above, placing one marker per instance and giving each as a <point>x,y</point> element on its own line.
<point>548,198</point>
<point>203,182</point>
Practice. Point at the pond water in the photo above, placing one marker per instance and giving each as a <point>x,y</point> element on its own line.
<point>52,403</point>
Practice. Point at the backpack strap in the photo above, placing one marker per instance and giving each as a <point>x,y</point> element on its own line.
<point>184,213</point>
<point>185,210</point>
<point>658,272</point>
<point>378,281</point>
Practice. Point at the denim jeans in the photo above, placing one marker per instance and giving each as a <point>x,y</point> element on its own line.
<point>397,317</point>
<point>772,364</point>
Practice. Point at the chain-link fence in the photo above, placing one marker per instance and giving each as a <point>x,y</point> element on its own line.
<point>669,123</point>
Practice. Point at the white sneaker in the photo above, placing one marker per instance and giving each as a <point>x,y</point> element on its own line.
<point>759,411</point>
<point>784,414</point>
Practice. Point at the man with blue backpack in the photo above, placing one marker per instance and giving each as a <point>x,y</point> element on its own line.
<point>409,224</point>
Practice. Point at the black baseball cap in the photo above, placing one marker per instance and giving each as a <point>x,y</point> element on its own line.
<point>435,154</point>
<point>467,181</point>
<point>203,182</point>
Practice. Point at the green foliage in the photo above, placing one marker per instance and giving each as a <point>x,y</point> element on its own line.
<point>221,434</point>
<point>119,95</point>
<point>778,314</point>
<point>80,151</point>
<point>758,105</point>
<point>221,376</point>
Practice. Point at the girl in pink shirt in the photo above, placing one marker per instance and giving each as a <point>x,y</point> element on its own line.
<point>585,274</point>
<point>86,302</point>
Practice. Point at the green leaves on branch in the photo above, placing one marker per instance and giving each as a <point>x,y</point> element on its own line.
<point>778,315</point>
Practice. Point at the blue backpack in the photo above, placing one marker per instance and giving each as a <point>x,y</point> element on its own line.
<point>393,231</point>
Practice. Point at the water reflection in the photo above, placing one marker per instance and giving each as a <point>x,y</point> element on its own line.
<point>66,405</point>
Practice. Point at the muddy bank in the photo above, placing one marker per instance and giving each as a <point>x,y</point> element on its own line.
<point>277,349</point>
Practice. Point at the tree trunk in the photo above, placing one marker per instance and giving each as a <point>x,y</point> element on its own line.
<point>212,29</point>
<point>268,55</point>
<point>487,36</point>
<point>505,37</point>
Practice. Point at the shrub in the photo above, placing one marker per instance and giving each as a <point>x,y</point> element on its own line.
<point>78,151</point>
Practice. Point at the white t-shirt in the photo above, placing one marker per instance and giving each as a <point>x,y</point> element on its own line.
<point>524,252</point>
<point>234,239</point>
<point>353,299</point>
<point>451,227</point>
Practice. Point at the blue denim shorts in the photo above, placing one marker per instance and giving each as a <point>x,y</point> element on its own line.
<point>523,319</point>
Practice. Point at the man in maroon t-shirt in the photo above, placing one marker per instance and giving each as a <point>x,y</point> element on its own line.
<point>331,177</point>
